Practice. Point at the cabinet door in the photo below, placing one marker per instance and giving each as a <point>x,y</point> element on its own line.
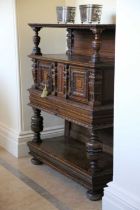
<point>44,76</point>
<point>79,84</point>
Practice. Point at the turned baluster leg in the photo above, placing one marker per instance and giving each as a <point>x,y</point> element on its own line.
<point>94,150</point>
<point>37,127</point>
<point>36,40</point>
<point>96,44</point>
<point>70,41</point>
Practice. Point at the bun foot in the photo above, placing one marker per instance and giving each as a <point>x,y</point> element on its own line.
<point>35,161</point>
<point>94,195</point>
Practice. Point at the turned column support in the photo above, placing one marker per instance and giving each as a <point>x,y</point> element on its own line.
<point>70,41</point>
<point>37,125</point>
<point>96,43</point>
<point>36,40</point>
<point>94,151</point>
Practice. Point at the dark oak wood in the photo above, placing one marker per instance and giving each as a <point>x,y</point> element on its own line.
<point>80,89</point>
<point>70,158</point>
<point>37,125</point>
<point>73,26</point>
<point>36,40</point>
<point>36,161</point>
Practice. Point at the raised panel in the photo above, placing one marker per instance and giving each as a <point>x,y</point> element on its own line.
<point>79,84</point>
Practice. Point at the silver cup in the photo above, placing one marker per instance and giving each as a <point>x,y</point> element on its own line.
<point>90,13</point>
<point>65,14</point>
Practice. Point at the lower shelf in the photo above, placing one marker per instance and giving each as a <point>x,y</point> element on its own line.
<point>68,156</point>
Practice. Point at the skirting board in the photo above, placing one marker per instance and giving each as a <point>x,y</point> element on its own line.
<point>16,144</point>
<point>115,198</point>
<point>9,139</point>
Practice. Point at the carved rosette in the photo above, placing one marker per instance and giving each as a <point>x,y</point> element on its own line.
<point>37,125</point>
<point>70,41</point>
<point>96,43</point>
<point>36,40</point>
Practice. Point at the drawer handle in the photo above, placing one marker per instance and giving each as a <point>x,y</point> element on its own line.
<point>44,92</point>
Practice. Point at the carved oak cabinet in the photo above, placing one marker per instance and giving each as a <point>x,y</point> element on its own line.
<point>77,86</point>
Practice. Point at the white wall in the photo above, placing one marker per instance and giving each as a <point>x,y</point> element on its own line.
<point>9,102</point>
<point>34,11</point>
<point>124,192</point>
<point>9,77</point>
<point>15,68</point>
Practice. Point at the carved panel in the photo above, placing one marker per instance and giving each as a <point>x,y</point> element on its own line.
<point>44,76</point>
<point>62,80</point>
<point>79,84</point>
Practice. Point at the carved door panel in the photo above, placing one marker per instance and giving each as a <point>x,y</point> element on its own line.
<point>78,89</point>
<point>44,76</point>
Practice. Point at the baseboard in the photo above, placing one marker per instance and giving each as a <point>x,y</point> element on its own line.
<point>16,144</point>
<point>9,139</point>
<point>115,198</point>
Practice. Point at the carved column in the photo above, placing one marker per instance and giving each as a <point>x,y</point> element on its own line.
<point>54,79</point>
<point>91,87</point>
<point>37,125</point>
<point>34,73</point>
<point>96,43</point>
<point>70,41</point>
<point>36,40</point>
<point>94,151</point>
<point>66,80</point>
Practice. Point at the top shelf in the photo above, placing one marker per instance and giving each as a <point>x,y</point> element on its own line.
<point>72,26</point>
<point>94,40</point>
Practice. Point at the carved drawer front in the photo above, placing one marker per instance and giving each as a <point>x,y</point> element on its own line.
<point>45,76</point>
<point>78,89</point>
